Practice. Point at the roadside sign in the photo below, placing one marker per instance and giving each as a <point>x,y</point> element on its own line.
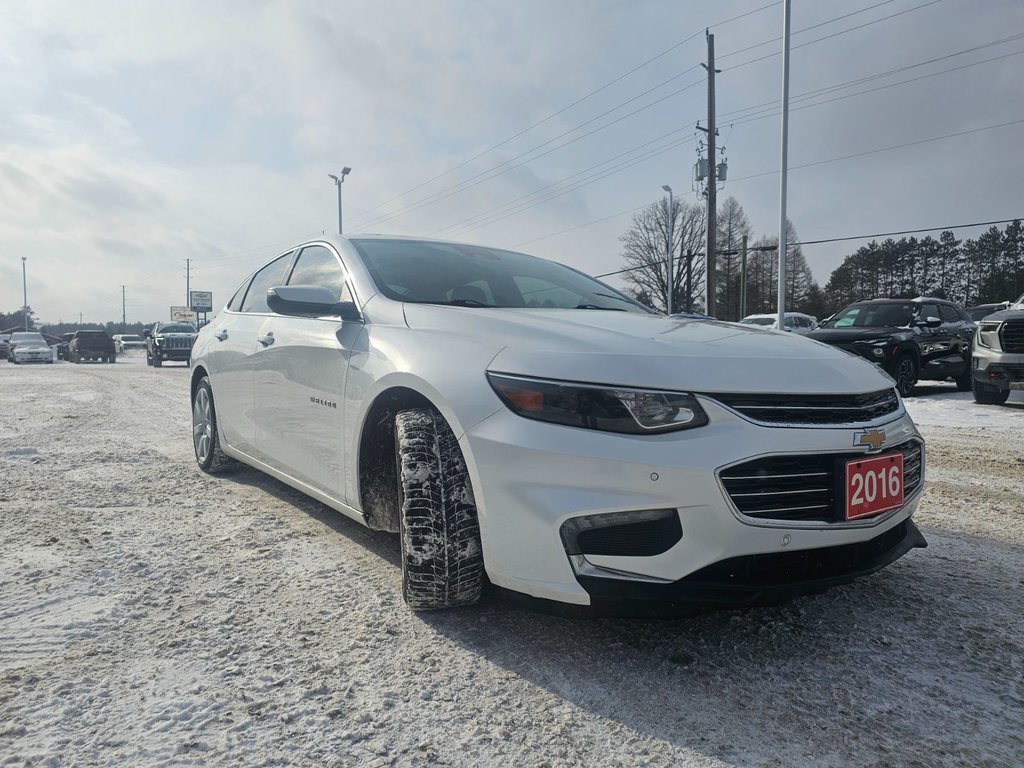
<point>202,301</point>
<point>183,315</point>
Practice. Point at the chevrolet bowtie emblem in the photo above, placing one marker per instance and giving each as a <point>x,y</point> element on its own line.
<point>872,439</point>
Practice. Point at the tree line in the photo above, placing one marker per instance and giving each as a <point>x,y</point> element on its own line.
<point>988,269</point>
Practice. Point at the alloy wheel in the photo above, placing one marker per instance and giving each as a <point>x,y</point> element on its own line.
<point>202,425</point>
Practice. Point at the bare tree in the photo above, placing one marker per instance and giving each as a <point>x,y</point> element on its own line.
<point>645,247</point>
<point>733,224</point>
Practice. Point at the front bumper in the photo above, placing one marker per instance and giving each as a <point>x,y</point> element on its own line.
<point>530,477</point>
<point>998,369</point>
<point>174,355</point>
<point>33,357</point>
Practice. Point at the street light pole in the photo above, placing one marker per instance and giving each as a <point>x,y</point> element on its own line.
<point>784,166</point>
<point>24,292</point>
<point>338,181</point>
<point>669,244</point>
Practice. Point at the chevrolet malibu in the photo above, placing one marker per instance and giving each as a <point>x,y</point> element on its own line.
<point>519,422</point>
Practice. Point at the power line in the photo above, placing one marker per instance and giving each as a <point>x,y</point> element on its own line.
<point>488,216</point>
<point>883,149</point>
<point>567,107</point>
<point>459,187</point>
<point>874,236</point>
<point>768,173</point>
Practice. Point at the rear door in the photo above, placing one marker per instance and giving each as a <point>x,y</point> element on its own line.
<point>230,355</point>
<point>300,373</point>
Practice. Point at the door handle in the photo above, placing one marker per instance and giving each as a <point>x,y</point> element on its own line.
<point>221,335</point>
<point>267,340</point>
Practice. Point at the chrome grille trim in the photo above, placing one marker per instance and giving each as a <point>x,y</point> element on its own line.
<point>769,492</point>
<point>812,410</point>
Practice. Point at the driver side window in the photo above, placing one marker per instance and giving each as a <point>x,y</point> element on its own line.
<point>929,310</point>
<point>270,276</point>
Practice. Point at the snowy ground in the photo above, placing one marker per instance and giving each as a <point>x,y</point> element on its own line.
<point>150,615</point>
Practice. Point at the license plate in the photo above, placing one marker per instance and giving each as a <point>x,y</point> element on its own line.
<point>874,485</point>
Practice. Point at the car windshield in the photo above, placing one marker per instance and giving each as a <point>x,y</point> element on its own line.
<point>873,316</point>
<point>976,313</point>
<point>131,338</point>
<point>472,276</point>
<point>758,320</point>
<point>176,328</point>
<point>27,336</point>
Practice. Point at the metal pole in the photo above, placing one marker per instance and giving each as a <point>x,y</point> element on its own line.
<point>123,321</point>
<point>671,245</point>
<point>743,278</point>
<point>712,217</point>
<point>784,167</point>
<point>338,185</point>
<point>24,292</point>
<point>188,283</point>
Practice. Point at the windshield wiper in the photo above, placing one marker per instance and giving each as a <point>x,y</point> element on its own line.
<point>456,303</point>
<point>596,306</point>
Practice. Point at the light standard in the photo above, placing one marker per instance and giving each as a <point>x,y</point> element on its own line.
<point>338,181</point>
<point>24,292</point>
<point>668,244</point>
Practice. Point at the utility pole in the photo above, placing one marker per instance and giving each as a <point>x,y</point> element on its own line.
<point>669,245</point>
<point>712,216</point>
<point>24,291</point>
<point>743,278</point>
<point>784,167</point>
<point>188,283</point>
<point>123,315</point>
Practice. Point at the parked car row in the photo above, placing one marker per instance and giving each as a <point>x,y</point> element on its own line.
<point>162,342</point>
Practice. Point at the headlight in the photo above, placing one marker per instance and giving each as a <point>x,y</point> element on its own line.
<point>609,409</point>
<point>988,335</point>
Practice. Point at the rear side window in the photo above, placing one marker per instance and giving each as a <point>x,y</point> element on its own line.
<point>949,314</point>
<point>318,265</point>
<point>270,276</point>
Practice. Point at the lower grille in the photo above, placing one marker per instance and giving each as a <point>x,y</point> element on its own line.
<point>1011,336</point>
<point>807,487</point>
<point>642,533</point>
<point>812,409</point>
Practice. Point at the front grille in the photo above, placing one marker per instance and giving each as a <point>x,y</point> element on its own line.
<point>805,487</point>
<point>812,409</point>
<point>176,342</point>
<point>1011,336</point>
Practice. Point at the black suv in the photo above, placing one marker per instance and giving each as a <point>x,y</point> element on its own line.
<point>910,339</point>
<point>169,341</point>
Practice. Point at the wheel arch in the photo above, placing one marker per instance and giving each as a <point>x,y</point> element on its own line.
<point>197,375</point>
<point>376,469</point>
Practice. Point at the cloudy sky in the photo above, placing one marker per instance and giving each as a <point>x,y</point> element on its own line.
<point>135,135</point>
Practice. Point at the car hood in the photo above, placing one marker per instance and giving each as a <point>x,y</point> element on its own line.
<point>35,346</point>
<point>847,335</point>
<point>632,349</point>
<point>1006,314</point>
<point>170,335</point>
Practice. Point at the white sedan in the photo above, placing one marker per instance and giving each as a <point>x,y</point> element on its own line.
<point>29,347</point>
<point>516,419</point>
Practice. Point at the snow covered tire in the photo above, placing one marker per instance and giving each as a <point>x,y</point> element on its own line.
<point>442,563</point>
<point>205,434</point>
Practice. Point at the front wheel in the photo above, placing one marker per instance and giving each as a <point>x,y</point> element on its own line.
<point>442,561</point>
<point>205,434</point>
<point>989,395</point>
<point>906,375</point>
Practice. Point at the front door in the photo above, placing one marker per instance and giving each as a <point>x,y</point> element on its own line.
<point>300,374</point>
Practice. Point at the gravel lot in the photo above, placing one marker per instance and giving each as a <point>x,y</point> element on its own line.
<point>151,615</point>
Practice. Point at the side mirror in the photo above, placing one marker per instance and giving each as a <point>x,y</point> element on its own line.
<point>309,301</point>
<point>147,332</point>
<point>929,322</point>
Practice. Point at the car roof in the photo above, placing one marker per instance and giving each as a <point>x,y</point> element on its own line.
<point>916,300</point>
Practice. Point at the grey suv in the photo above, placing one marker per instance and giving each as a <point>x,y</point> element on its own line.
<point>997,357</point>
